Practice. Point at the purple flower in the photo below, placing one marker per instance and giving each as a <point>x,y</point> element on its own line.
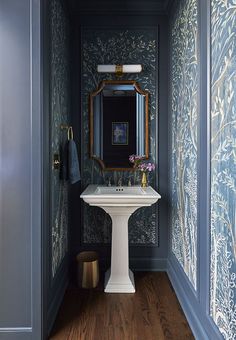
<point>140,164</point>
<point>131,158</point>
<point>146,166</point>
<point>135,159</point>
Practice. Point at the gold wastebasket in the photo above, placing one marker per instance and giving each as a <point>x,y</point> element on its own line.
<point>87,269</point>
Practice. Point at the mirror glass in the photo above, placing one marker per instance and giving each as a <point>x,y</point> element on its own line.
<point>118,124</point>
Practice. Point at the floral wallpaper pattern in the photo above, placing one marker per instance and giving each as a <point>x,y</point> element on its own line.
<point>113,47</point>
<point>223,167</point>
<point>59,101</point>
<point>185,73</point>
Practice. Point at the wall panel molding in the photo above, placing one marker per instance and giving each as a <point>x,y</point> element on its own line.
<point>223,166</point>
<point>21,174</point>
<point>128,7</point>
<point>184,116</point>
<point>215,191</point>
<point>204,157</point>
<point>113,45</point>
<point>16,329</point>
<point>119,22</point>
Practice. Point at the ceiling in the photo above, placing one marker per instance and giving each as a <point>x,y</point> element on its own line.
<point>120,6</point>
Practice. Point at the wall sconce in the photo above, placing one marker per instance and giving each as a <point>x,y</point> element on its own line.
<point>119,69</point>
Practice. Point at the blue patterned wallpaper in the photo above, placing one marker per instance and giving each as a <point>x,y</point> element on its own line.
<point>223,167</point>
<point>131,46</point>
<point>185,73</point>
<point>59,101</point>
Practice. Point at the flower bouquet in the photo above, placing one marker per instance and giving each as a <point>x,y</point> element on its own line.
<point>143,166</point>
<point>136,160</point>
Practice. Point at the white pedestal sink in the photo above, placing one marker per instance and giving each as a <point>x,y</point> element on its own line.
<point>119,203</point>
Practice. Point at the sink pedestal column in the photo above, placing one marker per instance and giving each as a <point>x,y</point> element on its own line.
<point>119,278</point>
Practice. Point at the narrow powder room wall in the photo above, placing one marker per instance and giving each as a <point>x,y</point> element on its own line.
<point>123,39</point>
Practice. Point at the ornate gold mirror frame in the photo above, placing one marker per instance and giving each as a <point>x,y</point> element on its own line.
<point>97,92</point>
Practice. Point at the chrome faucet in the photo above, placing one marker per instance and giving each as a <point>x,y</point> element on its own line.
<point>119,183</point>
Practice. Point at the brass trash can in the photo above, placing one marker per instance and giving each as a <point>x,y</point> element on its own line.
<point>87,269</point>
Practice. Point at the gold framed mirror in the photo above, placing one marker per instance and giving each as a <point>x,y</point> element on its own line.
<point>118,124</point>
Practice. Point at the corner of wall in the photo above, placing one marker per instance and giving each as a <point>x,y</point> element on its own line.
<point>201,324</point>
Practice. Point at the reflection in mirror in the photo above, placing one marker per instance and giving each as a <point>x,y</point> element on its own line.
<point>118,124</point>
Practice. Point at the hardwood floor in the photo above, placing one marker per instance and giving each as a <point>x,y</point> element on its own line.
<point>152,313</point>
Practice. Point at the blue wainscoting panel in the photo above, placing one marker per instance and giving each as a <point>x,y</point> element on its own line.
<point>20,170</point>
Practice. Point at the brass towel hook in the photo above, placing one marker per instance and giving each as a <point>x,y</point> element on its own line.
<point>69,129</point>
<point>70,133</point>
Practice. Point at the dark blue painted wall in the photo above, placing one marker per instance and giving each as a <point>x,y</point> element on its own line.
<point>21,170</point>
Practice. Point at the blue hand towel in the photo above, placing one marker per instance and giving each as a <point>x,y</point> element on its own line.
<point>73,162</point>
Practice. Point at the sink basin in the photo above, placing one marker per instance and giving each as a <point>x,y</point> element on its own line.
<point>123,196</point>
<point>119,203</point>
<point>119,190</point>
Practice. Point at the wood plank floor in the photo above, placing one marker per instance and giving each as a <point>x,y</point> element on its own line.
<point>152,313</point>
